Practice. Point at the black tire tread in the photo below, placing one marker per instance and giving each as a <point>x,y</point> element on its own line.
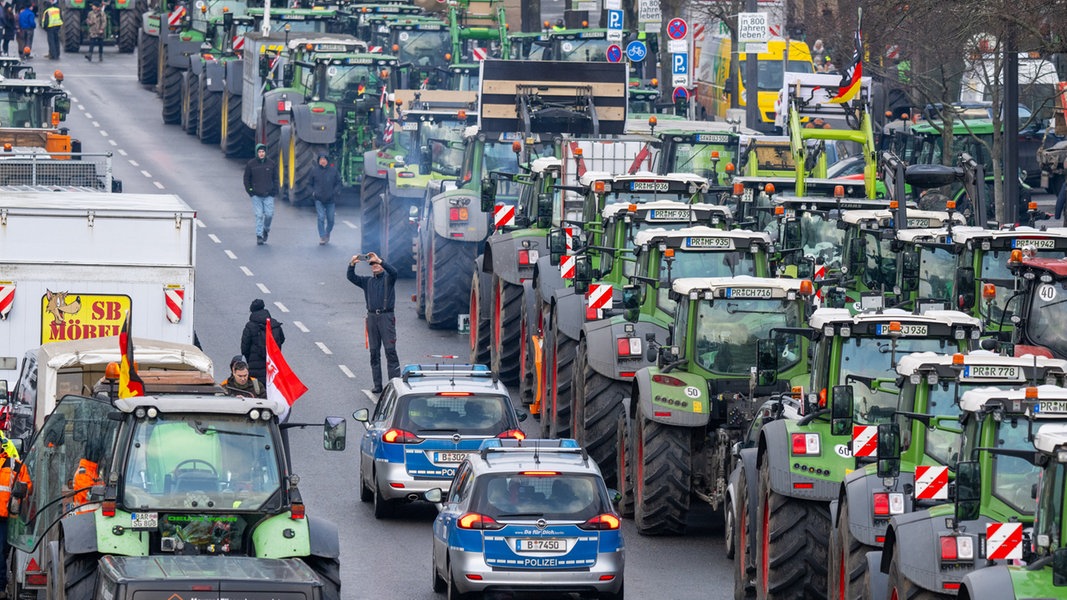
<point>71,29</point>
<point>147,58</point>
<point>399,235</point>
<point>190,103</point>
<point>505,351</point>
<point>560,382</point>
<point>481,325</point>
<point>661,502</point>
<point>624,428</point>
<point>238,139</point>
<point>208,125</point>
<point>79,575</point>
<point>906,590</point>
<point>447,296</point>
<point>129,25</point>
<point>329,571</point>
<point>370,215</point>
<point>598,402</point>
<point>307,158</point>
<point>799,534</point>
<point>172,95</point>
<point>856,559</point>
<point>744,568</point>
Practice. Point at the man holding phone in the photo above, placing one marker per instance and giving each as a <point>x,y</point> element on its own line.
<point>380,296</point>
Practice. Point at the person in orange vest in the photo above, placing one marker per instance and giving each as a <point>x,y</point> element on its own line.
<point>85,477</point>
<point>9,456</point>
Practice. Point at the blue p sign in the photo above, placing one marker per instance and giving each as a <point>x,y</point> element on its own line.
<point>679,64</point>
<point>615,19</point>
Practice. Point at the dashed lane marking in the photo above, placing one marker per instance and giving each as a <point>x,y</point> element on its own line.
<point>134,162</point>
<point>200,223</point>
<point>230,254</point>
<point>123,153</point>
<point>246,271</point>
<point>95,124</point>
<point>301,326</point>
<point>348,372</point>
<point>112,142</point>
<point>158,184</point>
<point>103,133</point>
<point>323,347</point>
<point>146,174</point>
<point>281,307</point>
<point>263,288</point>
<point>89,116</point>
<point>214,238</point>
<point>350,224</point>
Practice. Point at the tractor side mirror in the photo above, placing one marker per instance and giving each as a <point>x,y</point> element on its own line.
<point>631,302</point>
<point>909,270</point>
<point>488,195</point>
<point>841,410</point>
<point>766,362</point>
<point>5,392</point>
<point>227,20</point>
<point>62,105</point>
<point>544,208</point>
<point>790,235</point>
<point>425,160</point>
<point>1059,567</point>
<point>557,245</point>
<point>583,275</point>
<point>888,450</point>
<point>968,490</point>
<point>334,433</point>
<point>857,251</point>
<point>965,285</point>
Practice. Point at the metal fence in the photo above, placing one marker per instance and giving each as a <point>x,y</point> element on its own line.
<point>67,170</point>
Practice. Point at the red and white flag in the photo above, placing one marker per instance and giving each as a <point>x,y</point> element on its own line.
<point>283,386</point>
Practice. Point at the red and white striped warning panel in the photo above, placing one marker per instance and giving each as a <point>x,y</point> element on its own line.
<point>568,236</point>
<point>7,298</point>
<point>599,296</point>
<point>864,440</point>
<point>931,483</point>
<point>175,297</point>
<point>480,53</point>
<point>503,215</point>
<point>387,135</point>
<point>374,49</point>
<point>698,31</point>
<point>566,267</point>
<point>238,42</point>
<point>1004,541</point>
<point>176,16</point>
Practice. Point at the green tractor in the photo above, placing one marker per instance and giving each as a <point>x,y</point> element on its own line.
<point>123,23</point>
<point>929,552</point>
<point>1045,575</point>
<point>928,416</point>
<point>1039,308</point>
<point>788,480</point>
<point>203,85</point>
<point>162,476</point>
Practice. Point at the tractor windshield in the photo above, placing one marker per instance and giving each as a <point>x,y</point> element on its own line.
<point>21,109</point>
<point>1050,509</point>
<point>423,48</point>
<point>1014,477</point>
<point>1048,313</point>
<point>696,158</point>
<point>201,461</point>
<point>821,241</point>
<point>588,50</point>
<point>867,364</point>
<point>351,81</point>
<point>937,273</point>
<point>440,137</point>
<point>941,443</point>
<point>689,263</point>
<point>727,332</point>
<point>879,262</point>
<point>995,271</point>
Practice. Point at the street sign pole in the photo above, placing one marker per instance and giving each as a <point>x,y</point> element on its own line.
<point>752,116</point>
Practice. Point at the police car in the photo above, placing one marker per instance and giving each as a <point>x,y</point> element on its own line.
<point>529,515</point>
<point>424,425</point>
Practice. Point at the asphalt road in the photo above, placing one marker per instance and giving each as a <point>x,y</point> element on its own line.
<point>304,286</point>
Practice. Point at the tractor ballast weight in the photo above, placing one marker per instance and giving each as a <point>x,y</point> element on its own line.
<point>553,97</point>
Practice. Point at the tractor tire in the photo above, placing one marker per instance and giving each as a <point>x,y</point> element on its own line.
<point>560,375</point>
<point>172,95</point>
<point>420,283</point>
<point>209,121</point>
<point>272,139</point>
<point>399,235</point>
<point>448,280</point>
<point>527,376</point>
<point>71,30</point>
<point>625,466</point>
<point>307,158</point>
<point>902,588</point>
<point>505,326</point>
<point>370,217</point>
<point>481,325</point>
<point>79,574</point>
<point>548,348</point>
<point>190,102</point>
<point>235,138</point>
<point>129,25</point>
<point>848,560</point>
<point>791,538</point>
<point>598,402</point>
<point>147,57</point>
<point>662,477</point>
<point>744,567</point>
<point>329,572</point>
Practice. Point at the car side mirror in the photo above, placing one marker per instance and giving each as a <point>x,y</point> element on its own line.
<point>557,245</point>
<point>521,416</point>
<point>62,105</point>
<point>334,433</point>
<point>968,490</point>
<point>857,251</point>
<point>766,362</point>
<point>1059,567</point>
<point>616,497</point>
<point>888,450</point>
<point>362,415</point>
<point>631,302</point>
<point>965,286</point>
<point>434,495</point>
<point>841,410</point>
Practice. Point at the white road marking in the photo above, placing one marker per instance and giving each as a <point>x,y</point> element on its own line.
<point>348,372</point>
<point>200,223</point>
<point>146,174</point>
<point>123,153</point>
<point>103,133</point>
<point>95,124</point>
<point>350,224</point>
<point>134,162</point>
<point>301,326</point>
<point>80,107</point>
<point>246,271</point>
<point>157,184</point>
<point>323,347</point>
<point>112,142</point>
<point>88,116</point>
<point>372,397</point>
<point>214,238</point>
<point>263,288</point>
<point>281,307</point>
<point>230,254</point>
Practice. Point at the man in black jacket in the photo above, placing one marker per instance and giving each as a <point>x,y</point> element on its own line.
<point>261,183</point>
<point>380,295</point>
<point>254,339</point>
<point>325,184</point>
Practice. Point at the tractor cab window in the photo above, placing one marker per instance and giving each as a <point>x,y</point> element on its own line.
<point>879,262</point>
<point>696,158</point>
<point>1048,313</point>
<point>446,156</point>
<point>351,82</point>
<point>867,364</point>
<point>941,402</point>
<point>1014,477</point>
<point>701,264</point>
<point>937,273</point>
<point>820,240</point>
<point>423,48</point>
<point>19,109</point>
<point>1049,521</point>
<point>584,50</point>
<point>771,74</point>
<point>727,331</point>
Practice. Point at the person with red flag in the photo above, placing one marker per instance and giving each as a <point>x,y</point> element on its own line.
<point>283,386</point>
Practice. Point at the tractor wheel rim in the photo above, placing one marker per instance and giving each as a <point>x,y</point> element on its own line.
<point>765,544</point>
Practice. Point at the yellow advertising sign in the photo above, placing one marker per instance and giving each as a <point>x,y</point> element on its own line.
<point>69,316</point>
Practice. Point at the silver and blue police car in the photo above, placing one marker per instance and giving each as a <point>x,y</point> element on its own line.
<point>525,516</point>
<point>424,425</point>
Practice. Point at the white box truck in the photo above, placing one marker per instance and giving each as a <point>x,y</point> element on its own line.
<point>73,264</point>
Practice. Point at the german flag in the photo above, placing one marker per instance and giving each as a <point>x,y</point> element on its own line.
<point>130,383</point>
<point>850,78</point>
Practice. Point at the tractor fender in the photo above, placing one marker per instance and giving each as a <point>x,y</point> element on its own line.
<point>233,77</point>
<point>413,195</point>
<point>858,490</point>
<point>774,447</point>
<point>79,533</point>
<point>370,163</point>
<point>918,532</point>
<point>503,252</point>
<point>323,538</point>
<point>314,128</point>
<point>746,462</point>
<point>196,67</point>
<point>991,583</point>
<point>269,109</point>
<point>601,352</point>
<point>877,581</point>
<point>682,406</point>
<point>214,74</point>
<point>569,313</point>
<point>477,227</point>
<point>179,51</point>
<point>547,278</point>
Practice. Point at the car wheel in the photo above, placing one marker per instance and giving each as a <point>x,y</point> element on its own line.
<point>382,507</point>
<point>439,584</point>
<point>453,593</point>
<point>365,493</point>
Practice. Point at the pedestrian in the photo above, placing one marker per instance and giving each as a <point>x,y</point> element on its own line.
<point>97,23</point>
<point>254,339</point>
<point>240,382</point>
<point>9,466</point>
<point>52,21</point>
<point>27,24</point>
<point>10,24</point>
<point>261,183</point>
<point>380,297</point>
<point>325,182</point>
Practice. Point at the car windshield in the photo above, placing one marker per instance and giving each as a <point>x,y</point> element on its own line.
<point>727,332</point>
<point>202,462</point>
<point>1048,313</point>
<point>688,263</point>
<point>1014,477</point>
<point>937,273</point>
<point>559,496</point>
<point>474,414</point>
<point>867,365</point>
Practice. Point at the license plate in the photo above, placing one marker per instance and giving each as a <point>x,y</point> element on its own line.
<point>906,330</point>
<point>649,186</point>
<point>541,545</point>
<point>708,242</point>
<point>748,292</point>
<point>449,457</point>
<point>1052,406</point>
<point>747,195</point>
<point>992,372</point>
<point>713,138</point>
<point>144,520</point>
<point>1022,243</point>
<point>916,223</point>
<point>664,214</point>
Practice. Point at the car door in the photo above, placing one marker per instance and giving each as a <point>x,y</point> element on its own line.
<point>380,419</point>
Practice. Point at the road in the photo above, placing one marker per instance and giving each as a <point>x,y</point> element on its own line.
<point>304,286</point>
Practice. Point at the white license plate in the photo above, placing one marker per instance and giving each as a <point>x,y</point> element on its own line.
<point>449,457</point>
<point>992,372</point>
<point>708,242</point>
<point>1052,406</point>
<point>663,214</point>
<point>144,520</point>
<point>1045,243</point>
<point>916,223</point>
<point>905,330</point>
<point>748,293</point>
<point>541,545</point>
